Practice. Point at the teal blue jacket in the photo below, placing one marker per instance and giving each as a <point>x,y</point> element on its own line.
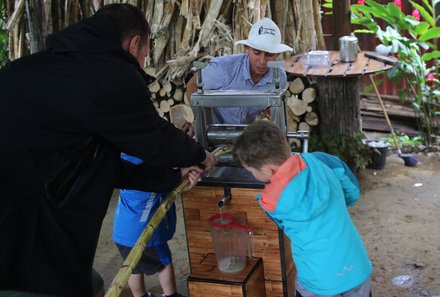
<point>308,198</point>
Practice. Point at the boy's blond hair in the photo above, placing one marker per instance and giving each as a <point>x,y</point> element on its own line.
<point>261,143</point>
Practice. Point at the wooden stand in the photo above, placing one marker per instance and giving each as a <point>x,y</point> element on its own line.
<point>270,243</point>
<point>207,280</point>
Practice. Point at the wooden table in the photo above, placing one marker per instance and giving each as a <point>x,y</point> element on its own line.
<point>338,90</point>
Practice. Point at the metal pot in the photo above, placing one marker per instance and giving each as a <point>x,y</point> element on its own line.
<point>348,48</point>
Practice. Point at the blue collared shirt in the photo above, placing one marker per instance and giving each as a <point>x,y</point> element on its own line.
<point>233,73</point>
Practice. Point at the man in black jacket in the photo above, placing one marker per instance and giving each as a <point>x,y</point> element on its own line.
<point>66,114</point>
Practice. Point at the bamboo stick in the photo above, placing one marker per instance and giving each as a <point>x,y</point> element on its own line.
<point>318,25</point>
<point>16,15</point>
<point>208,26</point>
<point>47,16</point>
<point>135,254</point>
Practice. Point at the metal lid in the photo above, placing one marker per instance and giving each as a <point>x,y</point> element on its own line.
<point>349,38</point>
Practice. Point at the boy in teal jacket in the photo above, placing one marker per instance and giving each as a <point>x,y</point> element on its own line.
<point>307,196</point>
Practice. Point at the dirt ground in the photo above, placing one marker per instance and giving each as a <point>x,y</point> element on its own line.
<point>398,217</point>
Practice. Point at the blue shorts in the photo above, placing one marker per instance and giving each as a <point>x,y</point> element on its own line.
<point>153,259</point>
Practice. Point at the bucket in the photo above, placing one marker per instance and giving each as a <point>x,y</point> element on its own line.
<point>379,151</point>
<point>232,240</point>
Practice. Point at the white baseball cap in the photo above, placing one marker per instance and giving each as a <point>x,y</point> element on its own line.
<point>265,36</point>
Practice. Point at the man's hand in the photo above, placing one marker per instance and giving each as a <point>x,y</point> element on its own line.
<point>188,129</point>
<point>209,161</point>
<point>193,174</point>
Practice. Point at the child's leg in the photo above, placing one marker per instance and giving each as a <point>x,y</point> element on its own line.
<point>137,285</point>
<point>144,266</point>
<point>167,280</point>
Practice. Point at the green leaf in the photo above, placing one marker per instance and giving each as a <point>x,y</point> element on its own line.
<point>430,34</point>
<point>428,5</point>
<point>394,10</point>
<point>432,55</point>
<point>378,7</point>
<point>421,28</point>
<point>426,15</point>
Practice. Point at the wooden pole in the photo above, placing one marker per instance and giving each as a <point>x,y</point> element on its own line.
<point>341,21</point>
<point>135,254</point>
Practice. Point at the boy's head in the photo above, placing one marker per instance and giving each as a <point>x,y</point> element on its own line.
<point>261,149</point>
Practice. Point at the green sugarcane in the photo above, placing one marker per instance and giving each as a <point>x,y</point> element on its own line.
<point>135,254</point>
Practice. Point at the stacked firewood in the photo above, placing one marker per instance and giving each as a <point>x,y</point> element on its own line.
<point>301,105</point>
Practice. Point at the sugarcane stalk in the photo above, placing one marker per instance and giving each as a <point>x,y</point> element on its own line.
<point>135,254</point>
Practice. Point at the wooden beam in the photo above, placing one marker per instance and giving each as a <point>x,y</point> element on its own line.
<point>341,21</point>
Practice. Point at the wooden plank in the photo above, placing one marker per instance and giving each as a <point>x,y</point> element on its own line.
<point>256,286</point>
<point>207,280</point>
<point>335,67</point>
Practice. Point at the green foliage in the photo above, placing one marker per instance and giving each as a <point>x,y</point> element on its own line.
<point>353,151</point>
<point>414,42</point>
<point>328,6</point>
<point>405,140</point>
<point>3,37</point>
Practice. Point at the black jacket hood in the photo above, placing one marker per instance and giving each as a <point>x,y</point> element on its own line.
<point>96,34</point>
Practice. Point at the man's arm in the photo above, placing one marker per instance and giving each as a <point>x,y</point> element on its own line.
<point>191,86</point>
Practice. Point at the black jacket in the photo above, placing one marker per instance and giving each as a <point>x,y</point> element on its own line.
<point>66,114</point>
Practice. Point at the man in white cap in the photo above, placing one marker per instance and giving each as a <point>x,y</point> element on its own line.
<point>247,71</point>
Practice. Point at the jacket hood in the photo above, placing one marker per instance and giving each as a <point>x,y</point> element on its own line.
<point>96,34</point>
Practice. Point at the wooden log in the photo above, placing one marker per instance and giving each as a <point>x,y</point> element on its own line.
<point>178,94</point>
<point>297,106</point>
<point>303,126</point>
<point>164,106</point>
<point>186,99</point>
<point>167,87</point>
<point>292,121</point>
<point>154,87</point>
<point>311,118</point>
<point>309,95</point>
<point>162,92</point>
<point>296,86</point>
<point>150,71</point>
<point>160,112</point>
<point>181,114</point>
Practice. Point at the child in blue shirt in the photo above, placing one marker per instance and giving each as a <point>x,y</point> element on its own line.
<point>133,211</point>
<point>307,196</point>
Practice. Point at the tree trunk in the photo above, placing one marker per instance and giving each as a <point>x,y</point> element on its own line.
<point>339,106</point>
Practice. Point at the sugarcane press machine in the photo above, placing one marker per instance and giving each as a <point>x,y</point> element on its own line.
<point>211,134</point>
